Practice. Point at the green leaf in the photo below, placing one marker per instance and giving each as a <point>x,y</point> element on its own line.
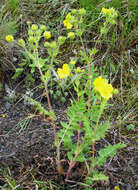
<point>109,151</point>
<point>89,180</point>
<point>101,131</point>
<point>100,176</point>
<point>70,156</point>
<point>18,73</point>
<point>80,158</point>
<point>67,142</point>
<point>22,64</point>
<point>130,127</point>
<point>40,108</point>
<point>93,51</point>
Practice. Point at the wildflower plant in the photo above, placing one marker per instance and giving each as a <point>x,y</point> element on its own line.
<point>84,113</point>
<point>84,128</point>
<point>110,16</point>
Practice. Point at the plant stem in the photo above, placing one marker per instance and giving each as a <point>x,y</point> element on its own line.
<point>47,95</point>
<point>102,106</point>
<point>73,162</point>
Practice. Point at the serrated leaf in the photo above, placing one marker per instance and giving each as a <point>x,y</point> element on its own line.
<point>101,131</point>
<point>100,176</point>
<point>80,158</point>
<point>40,108</point>
<point>109,151</point>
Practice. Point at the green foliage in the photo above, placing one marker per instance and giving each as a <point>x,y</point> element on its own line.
<point>18,73</point>
<point>12,5</point>
<point>107,152</point>
<point>100,176</point>
<point>89,5</point>
<point>86,4</point>
<point>41,184</point>
<point>6,28</point>
<point>40,108</point>
<point>130,127</point>
<point>10,182</point>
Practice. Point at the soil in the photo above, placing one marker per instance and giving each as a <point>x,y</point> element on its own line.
<point>27,152</point>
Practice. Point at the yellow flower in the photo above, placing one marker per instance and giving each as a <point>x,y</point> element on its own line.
<point>47,34</point>
<point>3,115</point>
<point>71,35</point>
<point>106,91</point>
<point>72,62</point>
<point>68,16</point>
<point>69,25</point>
<point>9,38</point>
<point>105,11</point>
<point>101,85</point>
<point>64,72</point>
<point>116,188</point>
<point>67,22</point>
<point>110,11</point>
<point>98,82</point>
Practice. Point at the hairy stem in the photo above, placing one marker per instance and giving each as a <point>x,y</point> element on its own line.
<point>73,162</point>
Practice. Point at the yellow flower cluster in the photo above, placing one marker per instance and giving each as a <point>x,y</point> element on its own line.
<point>64,72</point>
<point>110,12</point>
<point>67,22</point>
<point>101,85</point>
<point>47,34</point>
<point>9,38</point>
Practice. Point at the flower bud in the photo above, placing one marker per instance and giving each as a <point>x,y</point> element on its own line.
<point>21,42</point>
<point>61,40</point>
<point>90,77</point>
<point>74,11</point>
<point>34,27</point>
<point>115,91</point>
<point>71,35</point>
<point>30,33</point>
<point>28,23</point>
<point>53,44</point>
<point>47,34</point>
<point>82,11</point>
<point>42,27</point>
<point>31,39</point>
<point>72,62</point>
